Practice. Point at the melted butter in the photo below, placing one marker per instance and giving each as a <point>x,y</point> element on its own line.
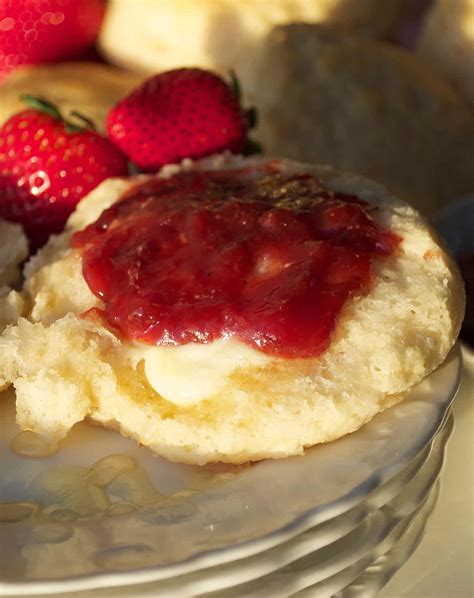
<point>32,445</point>
<point>125,557</point>
<point>115,485</point>
<point>12,512</point>
<point>66,487</point>
<point>58,514</point>
<point>120,507</point>
<point>205,481</point>
<point>135,487</point>
<point>51,533</point>
<point>73,500</point>
<point>107,469</point>
<point>187,374</point>
<point>174,509</point>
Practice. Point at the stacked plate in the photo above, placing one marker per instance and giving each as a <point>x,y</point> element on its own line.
<point>104,515</point>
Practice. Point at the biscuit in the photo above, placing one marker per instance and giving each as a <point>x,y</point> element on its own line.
<point>66,368</point>
<point>365,107</point>
<point>447,42</point>
<point>153,35</point>
<point>87,87</point>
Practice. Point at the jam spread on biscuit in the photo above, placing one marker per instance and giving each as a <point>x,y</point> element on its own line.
<point>267,258</point>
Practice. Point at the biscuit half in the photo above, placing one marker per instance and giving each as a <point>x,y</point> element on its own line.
<point>65,368</point>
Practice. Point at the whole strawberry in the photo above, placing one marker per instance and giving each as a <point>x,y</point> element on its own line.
<point>47,165</point>
<point>33,31</point>
<point>183,113</point>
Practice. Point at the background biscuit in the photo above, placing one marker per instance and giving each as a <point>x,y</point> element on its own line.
<point>332,97</point>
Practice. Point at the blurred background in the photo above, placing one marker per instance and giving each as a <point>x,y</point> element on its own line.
<point>384,89</point>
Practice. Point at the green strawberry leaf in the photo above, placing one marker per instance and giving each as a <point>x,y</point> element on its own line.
<point>235,85</point>
<point>41,105</point>
<point>252,119</point>
<point>88,123</point>
<point>252,147</point>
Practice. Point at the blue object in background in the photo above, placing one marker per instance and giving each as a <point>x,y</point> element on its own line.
<point>456,225</point>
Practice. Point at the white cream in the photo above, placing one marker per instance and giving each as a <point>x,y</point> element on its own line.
<point>188,374</point>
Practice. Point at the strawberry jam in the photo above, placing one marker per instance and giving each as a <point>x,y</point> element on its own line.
<point>267,258</point>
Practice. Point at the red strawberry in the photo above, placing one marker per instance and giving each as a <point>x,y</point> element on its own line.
<point>47,165</point>
<point>33,31</point>
<point>183,113</point>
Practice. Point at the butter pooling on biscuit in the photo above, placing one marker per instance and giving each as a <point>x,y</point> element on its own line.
<point>66,368</point>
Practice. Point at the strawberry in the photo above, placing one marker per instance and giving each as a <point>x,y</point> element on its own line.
<point>47,165</point>
<point>182,113</point>
<point>33,32</point>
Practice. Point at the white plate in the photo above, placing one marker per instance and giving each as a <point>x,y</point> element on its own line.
<point>70,542</point>
<point>338,550</point>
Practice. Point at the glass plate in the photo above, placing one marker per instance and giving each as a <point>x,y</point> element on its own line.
<point>331,552</point>
<point>326,571</point>
<point>104,512</point>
